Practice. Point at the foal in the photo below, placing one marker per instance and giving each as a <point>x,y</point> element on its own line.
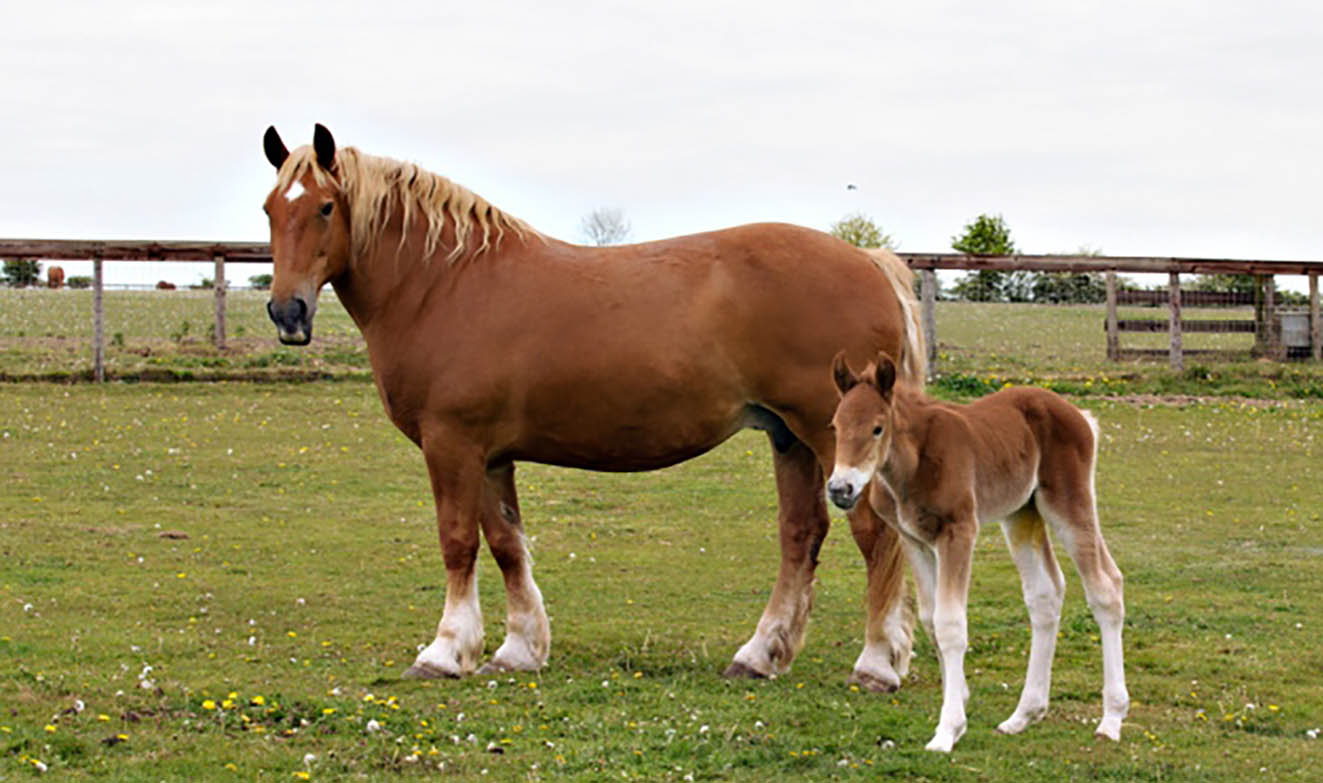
<point>1020,456</point>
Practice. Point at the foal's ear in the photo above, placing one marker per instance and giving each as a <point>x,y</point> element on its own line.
<point>884,376</point>
<point>841,373</point>
<point>324,145</point>
<point>274,147</point>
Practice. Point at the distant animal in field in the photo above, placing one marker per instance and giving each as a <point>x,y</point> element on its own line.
<point>493,343</point>
<point>55,277</point>
<point>937,471</point>
<point>164,285</point>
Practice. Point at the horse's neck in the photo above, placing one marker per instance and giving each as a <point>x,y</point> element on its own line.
<point>392,277</point>
<point>911,420</point>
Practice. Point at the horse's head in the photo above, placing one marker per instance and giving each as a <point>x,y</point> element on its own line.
<point>309,231</point>
<point>863,425</point>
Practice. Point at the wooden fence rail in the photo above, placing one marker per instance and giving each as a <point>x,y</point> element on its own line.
<point>222,253</point>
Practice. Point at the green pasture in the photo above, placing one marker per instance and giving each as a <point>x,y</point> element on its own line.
<point>225,581</point>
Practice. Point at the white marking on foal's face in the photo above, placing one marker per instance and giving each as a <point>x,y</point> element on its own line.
<point>294,191</point>
<point>847,484</point>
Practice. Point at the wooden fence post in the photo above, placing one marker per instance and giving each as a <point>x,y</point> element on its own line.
<point>928,316</point>
<point>1174,299</point>
<point>98,324</point>
<point>1113,333</point>
<point>1272,338</point>
<point>1315,343</point>
<point>219,337</point>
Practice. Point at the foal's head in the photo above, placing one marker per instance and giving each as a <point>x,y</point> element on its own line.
<point>309,231</point>
<point>862,424</point>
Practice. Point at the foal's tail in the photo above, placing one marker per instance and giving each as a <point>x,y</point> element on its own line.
<point>913,362</point>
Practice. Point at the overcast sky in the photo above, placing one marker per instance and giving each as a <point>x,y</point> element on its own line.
<point>1137,128</point>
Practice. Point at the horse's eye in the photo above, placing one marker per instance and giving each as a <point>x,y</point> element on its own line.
<point>877,431</point>
<point>327,207</point>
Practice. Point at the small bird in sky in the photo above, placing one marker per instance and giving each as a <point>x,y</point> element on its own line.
<point>852,186</point>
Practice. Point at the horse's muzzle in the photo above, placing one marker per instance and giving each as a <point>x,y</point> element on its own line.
<point>844,495</point>
<point>293,320</point>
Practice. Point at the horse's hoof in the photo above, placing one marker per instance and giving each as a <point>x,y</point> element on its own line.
<point>738,671</point>
<point>872,683</point>
<point>492,667</point>
<point>426,671</point>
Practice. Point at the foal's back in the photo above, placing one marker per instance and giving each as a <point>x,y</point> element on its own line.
<point>1019,441</point>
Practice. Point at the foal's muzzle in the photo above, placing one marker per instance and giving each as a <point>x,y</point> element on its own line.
<point>293,320</point>
<point>843,492</point>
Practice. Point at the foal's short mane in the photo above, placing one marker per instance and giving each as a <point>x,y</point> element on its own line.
<point>374,186</point>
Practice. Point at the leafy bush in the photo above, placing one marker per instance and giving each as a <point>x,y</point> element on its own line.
<point>260,282</point>
<point>79,281</point>
<point>21,272</point>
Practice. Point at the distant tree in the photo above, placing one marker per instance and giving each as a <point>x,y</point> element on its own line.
<point>79,281</point>
<point>21,272</point>
<point>260,282</point>
<point>1071,287</point>
<point>987,236</point>
<point>1236,284</point>
<point>605,226</point>
<point>859,230</point>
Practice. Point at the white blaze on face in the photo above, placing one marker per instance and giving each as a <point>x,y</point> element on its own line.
<point>844,476</point>
<point>294,191</point>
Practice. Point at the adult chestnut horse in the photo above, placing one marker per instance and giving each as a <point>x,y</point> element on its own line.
<point>492,343</point>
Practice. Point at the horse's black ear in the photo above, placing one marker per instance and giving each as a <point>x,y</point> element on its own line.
<point>840,372</point>
<point>324,145</point>
<point>274,147</point>
<point>884,376</point>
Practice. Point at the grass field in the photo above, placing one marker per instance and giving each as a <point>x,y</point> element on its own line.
<point>224,581</point>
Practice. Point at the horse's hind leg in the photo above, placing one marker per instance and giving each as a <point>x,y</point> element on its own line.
<point>1074,516</point>
<point>887,630</point>
<point>527,632</point>
<point>803,523</point>
<point>1044,590</point>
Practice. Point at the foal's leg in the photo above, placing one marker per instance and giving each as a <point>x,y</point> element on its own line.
<point>955,549</point>
<point>1044,590</point>
<point>1075,518</point>
<point>457,478</point>
<point>803,523</point>
<point>527,632</point>
<point>887,631</point>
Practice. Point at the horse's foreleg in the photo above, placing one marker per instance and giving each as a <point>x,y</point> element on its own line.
<point>458,488</point>
<point>888,625</point>
<point>527,632</point>
<point>803,522</point>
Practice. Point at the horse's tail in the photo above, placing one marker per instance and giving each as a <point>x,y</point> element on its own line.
<point>913,362</point>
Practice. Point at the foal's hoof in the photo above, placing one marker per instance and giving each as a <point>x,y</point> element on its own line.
<point>426,671</point>
<point>874,683</point>
<point>738,671</point>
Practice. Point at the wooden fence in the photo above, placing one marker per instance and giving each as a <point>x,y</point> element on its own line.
<point>1109,266</point>
<point>222,253</point>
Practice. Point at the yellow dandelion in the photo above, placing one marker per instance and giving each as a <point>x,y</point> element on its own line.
<point>208,705</point>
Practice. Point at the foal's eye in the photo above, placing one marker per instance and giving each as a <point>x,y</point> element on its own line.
<point>327,207</point>
<point>877,431</point>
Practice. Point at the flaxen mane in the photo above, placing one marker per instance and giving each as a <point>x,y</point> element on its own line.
<point>914,353</point>
<point>374,186</point>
